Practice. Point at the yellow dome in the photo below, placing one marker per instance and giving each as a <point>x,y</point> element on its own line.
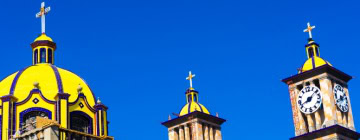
<point>43,37</point>
<point>313,63</point>
<point>51,81</point>
<point>193,106</point>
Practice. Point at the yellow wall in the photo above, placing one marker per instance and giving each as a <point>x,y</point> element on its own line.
<point>30,104</point>
<point>85,109</point>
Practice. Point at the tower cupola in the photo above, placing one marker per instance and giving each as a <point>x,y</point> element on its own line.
<point>43,46</point>
<point>312,50</point>
<point>192,100</point>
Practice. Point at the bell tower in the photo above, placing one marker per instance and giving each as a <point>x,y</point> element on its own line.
<point>320,98</point>
<point>194,121</point>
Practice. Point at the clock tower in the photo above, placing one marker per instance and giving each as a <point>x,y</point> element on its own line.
<point>320,99</point>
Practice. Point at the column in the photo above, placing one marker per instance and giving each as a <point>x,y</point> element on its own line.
<point>206,133</point>
<point>172,134</point>
<point>317,114</point>
<point>181,133</point>
<point>317,120</point>
<point>218,135</point>
<point>293,97</point>
<point>101,120</point>
<point>301,121</point>
<point>339,118</point>
<point>187,132</point>
<point>310,122</point>
<point>62,113</point>
<point>350,116</point>
<point>211,133</point>
<point>344,120</point>
<point>176,134</point>
<point>198,131</point>
<point>328,101</point>
<point>7,116</point>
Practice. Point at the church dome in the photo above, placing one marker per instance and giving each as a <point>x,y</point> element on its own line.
<point>43,37</point>
<point>49,79</point>
<point>193,106</point>
<point>313,63</point>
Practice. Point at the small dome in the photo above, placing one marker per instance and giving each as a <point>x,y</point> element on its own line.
<point>193,106</point>
<point>50,80</point>
<point>313,63</point>
<point>43,37</point>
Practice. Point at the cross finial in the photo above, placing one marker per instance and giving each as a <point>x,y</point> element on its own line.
<point>41,14</point>
<point>309,29</point>
<point>190,77</point>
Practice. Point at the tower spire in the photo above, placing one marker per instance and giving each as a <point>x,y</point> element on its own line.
<point>190,77</point>
<point>41,14</point>
<point>309,29</point>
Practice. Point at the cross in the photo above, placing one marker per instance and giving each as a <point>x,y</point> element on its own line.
<point>41,14</point>
<point>309,28</point>
<point>191,76</point>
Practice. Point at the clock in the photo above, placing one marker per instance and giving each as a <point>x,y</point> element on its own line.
<point>341,98</point>
<point>309,99</point>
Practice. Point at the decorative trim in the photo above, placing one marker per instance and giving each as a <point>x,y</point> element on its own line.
<point>100,107</point>
<point>49,113</point>
<point>81,95</point>
<point>200,107</point>
<point>58,79</point>
<point>13,84</point>
<point>313,62</point>
<point>64,96</point>
<point>189,108</point>
<point>8,98</point>
<point>43,43</point>
<point>35,91</point>
<point>90,131</point>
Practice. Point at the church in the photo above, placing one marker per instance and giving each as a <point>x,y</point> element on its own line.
<point>43,101</point>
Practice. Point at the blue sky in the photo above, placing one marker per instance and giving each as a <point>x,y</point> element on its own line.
<point>136,54</point>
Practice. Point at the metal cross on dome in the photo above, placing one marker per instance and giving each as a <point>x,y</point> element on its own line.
<point>190,77</point>
<point>309,29</point>
<point>41,14</point>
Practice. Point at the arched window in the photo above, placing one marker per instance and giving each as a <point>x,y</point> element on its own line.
<point>50,56</point>
<point>311,52</point>
<point>36,56</point>
<point>195,98</point>
<point>317,51</point>
<point>29,119</point>
<point>80,123</point>
<point>42,55</point>
<point>189,98</point>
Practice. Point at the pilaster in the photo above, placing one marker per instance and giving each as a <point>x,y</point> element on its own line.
<point>206,132</point>
<point>181,133</point>
<point>7,116</point>
<point>187,132</point>
<point>328,101</point>
<point>350,115</point>
<point>62,114</point>
<point>101,119</point>
<point>218,135</point>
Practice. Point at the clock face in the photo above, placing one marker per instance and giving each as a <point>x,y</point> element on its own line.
<point>341,98</point>
<point>309,99</point>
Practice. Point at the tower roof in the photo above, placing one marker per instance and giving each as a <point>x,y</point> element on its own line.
<point>43,37</point>
<point>313,63</point>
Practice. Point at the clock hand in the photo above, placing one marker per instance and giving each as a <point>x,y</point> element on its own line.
<point>308,99</point>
